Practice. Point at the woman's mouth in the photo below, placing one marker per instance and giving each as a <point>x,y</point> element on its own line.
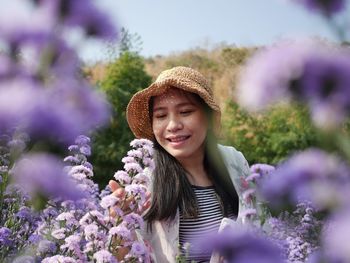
<point>178,140</point>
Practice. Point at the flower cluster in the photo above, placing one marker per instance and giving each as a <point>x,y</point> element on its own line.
<point>90,228</point>
<point>297,233</point>
<point>42,90</point>
<point>307,193</point>
<point>305,71</point>
<point>18,220</point>
<point>87,230</point>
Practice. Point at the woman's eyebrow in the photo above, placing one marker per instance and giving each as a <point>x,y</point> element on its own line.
<point>182,104</point>
<point>159,108</point>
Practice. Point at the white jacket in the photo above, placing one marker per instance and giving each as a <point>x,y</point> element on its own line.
<point>164,238</point>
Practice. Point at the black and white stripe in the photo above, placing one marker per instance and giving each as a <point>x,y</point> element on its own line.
<point>209,218</point>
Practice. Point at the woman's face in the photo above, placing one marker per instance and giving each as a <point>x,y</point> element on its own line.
<point>179,124</point>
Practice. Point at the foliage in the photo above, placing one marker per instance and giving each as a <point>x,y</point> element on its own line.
<point>124,77</point>
<point>268,137</point>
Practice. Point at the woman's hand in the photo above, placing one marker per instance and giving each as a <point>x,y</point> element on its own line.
<point>120,193</point>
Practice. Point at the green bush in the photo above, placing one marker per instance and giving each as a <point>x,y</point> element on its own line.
<point>269,137</point>
<point>125,76</point>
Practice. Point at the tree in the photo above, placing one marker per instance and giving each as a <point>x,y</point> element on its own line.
<point>125,76</point>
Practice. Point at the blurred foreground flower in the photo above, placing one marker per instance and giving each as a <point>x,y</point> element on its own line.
<point>312,175</point>
<point>42,174</point>
<point>237,244</point>
<point>325,7</point>
<point>42,89</point>
<point>304,71</point>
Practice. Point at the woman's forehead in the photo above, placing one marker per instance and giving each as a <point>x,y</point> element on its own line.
<point>173,95</point>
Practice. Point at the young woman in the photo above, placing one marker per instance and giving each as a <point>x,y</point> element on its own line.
<point>196,182</point>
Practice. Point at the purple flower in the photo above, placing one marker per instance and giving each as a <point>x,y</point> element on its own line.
<point>109,201</point>
<point>46,246</point>
<point>325,7</point>
<point>122,231</point>
<point>43,173</point>
<point>72,243</point>
<point>137,143</point>
<point>25,213</point>
<point>59,233</point>
<point>80,109</point>
<point>16,32</point>
<point>262,169</point>
<point>336,236</point>
<point>308,72</point>
<point>24,96</point>
<point>68,218</point>
<point>71,159</point>
<point>135,153</point>
<point>59,259</point>
<point>104,256</point>
<point>5,234</point>
<point>138,250</point>
<point>326,86</point>
<point>268,73</point>
<point>133,220</point>
<point>122,177</point>
<point>312,175</point>
<point>238,245</point>
<point>86,150</point>
<point>133,168</point>
<point>141,178</point>
<point>137,190</point>
<point>82,140</point>
<point>24,259</point>
<point>90,231</point>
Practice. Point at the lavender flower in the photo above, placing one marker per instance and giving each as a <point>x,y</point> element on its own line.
<point>138,251</point>
<point>325,7</point>
<point>5,234</point>
<point>24,259</point>
<point>308,72</point>
<point>239,245</point>
<point>122,177</point>
<point>104,256</point>
<point>108,201</point>
<point>257,87</point>
<point>311,175</point>
<point>42,173</point>
<point>297,233</point>
<point>59,259</point>
<point>46,246</point>
<point>336,236</point>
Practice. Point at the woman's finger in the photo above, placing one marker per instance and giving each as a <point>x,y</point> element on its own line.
<point>113,185</point>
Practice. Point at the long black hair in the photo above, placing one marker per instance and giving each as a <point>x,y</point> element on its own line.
<point>172,189</point>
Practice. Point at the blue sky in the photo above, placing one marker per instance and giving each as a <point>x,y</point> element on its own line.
<point>167,26</point>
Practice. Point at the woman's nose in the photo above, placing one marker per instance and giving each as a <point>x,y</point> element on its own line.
<point>174,124</point>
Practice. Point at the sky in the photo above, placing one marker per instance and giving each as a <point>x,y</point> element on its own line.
<point>170,26</point>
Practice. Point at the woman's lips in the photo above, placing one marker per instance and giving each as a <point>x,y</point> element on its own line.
<point>178,140</point>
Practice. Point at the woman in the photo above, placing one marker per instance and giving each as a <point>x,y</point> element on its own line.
<point>196,182</point>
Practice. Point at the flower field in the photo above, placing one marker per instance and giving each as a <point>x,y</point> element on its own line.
<point>52,210</point>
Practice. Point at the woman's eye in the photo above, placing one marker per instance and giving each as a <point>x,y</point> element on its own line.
<point>160,116</point>
<point>186,112</point>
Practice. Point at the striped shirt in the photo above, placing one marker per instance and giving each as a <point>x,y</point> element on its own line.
<point>208,221</point>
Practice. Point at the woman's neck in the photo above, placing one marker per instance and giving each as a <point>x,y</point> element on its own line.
<point>196,173</point>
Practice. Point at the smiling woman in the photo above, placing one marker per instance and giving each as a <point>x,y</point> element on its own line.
<point>196,182</point>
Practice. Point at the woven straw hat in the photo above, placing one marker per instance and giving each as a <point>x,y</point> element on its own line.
<point>184,78</point>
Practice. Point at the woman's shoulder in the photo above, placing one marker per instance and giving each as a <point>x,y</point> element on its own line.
<point>234,158</point>
<point>231,153</point>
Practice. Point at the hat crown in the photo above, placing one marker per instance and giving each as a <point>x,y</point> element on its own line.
<point>184,73</point>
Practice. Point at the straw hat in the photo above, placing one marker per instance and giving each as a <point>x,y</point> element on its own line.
<point>184,78</point>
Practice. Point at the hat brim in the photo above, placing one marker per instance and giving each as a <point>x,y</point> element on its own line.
<point>138,113</point>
